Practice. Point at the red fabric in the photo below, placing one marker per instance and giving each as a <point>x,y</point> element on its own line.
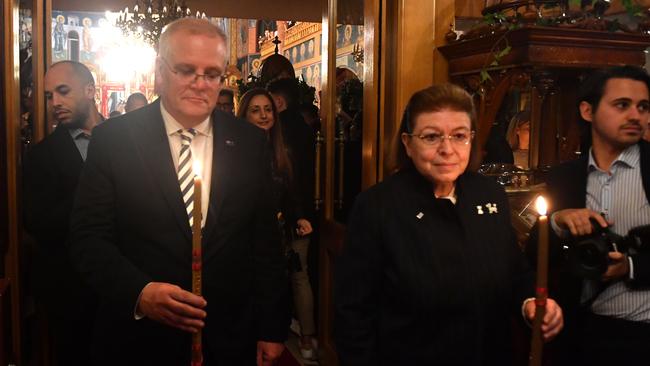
<point>287,359</point>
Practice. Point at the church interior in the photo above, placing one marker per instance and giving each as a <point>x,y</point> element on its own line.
<point>357,63</point>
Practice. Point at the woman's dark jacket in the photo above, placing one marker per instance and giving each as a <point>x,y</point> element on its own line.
<point>422,281</point>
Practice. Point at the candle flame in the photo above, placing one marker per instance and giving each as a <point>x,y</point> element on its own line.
<point>196,166</point>
<point>541,205</point>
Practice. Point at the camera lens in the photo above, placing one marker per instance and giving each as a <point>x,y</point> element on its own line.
<point>590,258</point>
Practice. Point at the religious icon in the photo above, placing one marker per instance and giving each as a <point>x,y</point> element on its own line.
<point>347,35</point>
<point>310,48</point>
<point>59,34</point>
<point>302,52</point>
<point>86,35</point>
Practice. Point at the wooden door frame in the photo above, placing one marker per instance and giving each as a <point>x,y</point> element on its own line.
<point>333,232</point>
<point>11,151</point>
<point>395,65</point>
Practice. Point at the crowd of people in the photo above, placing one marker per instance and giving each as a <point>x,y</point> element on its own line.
<point>430,273</point>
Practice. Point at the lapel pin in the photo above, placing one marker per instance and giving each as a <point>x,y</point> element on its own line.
<point>420,215</point>
<point>479,210</point>
<point>492,208</point>
<point>230,143</point>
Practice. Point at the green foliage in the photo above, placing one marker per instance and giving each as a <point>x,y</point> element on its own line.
<point>631,7</point>
<point>502,21</point>
<point>497,55</point>
<point>485,76</point>
<point>495,18</point>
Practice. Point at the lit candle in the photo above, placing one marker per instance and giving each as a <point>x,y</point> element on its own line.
<point>197,352</point>
<point>541,292</point>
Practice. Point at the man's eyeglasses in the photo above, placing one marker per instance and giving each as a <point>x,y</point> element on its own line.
<point>435,139</point>
<point>187,75</point>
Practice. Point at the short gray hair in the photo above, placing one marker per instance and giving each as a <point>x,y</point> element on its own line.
<point>193,26</point>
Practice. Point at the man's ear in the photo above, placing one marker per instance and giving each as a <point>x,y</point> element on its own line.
<point>586,111</point>
<point>279,101</point>
<point>90,91</point>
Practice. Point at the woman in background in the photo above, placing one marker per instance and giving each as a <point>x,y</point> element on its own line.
<point>431,273</point>
<point>519,138</point>
<point>257,107</point>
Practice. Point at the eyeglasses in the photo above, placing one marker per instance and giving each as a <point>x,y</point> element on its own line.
<point>435,139</point>
<point>188,75</point>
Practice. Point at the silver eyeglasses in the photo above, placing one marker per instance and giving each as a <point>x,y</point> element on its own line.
<point>435,139</point>
<point>189,76</point>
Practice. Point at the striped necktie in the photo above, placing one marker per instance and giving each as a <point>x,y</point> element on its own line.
<point>185,171</point>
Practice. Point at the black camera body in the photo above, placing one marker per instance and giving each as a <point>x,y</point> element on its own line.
<point>588,255</point>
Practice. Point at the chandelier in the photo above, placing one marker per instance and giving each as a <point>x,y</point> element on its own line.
<point>148,18</point>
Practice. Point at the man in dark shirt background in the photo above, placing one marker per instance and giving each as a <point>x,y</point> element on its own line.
<point>51,172</point>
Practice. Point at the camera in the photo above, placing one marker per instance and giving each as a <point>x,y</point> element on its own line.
<point>588,255</point>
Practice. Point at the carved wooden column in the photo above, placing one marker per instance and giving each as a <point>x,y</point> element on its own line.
<point>543,151</point>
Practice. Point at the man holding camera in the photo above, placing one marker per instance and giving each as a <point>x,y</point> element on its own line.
<point>607,317</point>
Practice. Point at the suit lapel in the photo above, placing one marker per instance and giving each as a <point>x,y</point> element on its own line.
<point>221,158</point>
<point>578,180</point>
<point>69,152</point>
<point>151,138</point>
<point>467,200</point>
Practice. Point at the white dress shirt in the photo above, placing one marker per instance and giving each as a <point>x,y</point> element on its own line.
<point>201,148</point>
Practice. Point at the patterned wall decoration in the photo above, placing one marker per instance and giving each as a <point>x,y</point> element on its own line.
<point>304,51</point>
<point>348,34</point>
<point>249,64</point>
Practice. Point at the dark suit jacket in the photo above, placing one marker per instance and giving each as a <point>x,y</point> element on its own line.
<point>50,175</point>
<point>567,188</point>
<point>51,172</point>
<point>424,282</point>
<point>130,227</point>
<point>300,141</point>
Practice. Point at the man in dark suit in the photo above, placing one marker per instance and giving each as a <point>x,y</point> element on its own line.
<point>51,173</point>
<point>131,221</point>
<point>608,318</point>
<point>226,101</point>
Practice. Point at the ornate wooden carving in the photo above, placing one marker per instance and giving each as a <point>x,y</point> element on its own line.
<point>548,60</point>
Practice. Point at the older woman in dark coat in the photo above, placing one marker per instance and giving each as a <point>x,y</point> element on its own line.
<point>431,273</point>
